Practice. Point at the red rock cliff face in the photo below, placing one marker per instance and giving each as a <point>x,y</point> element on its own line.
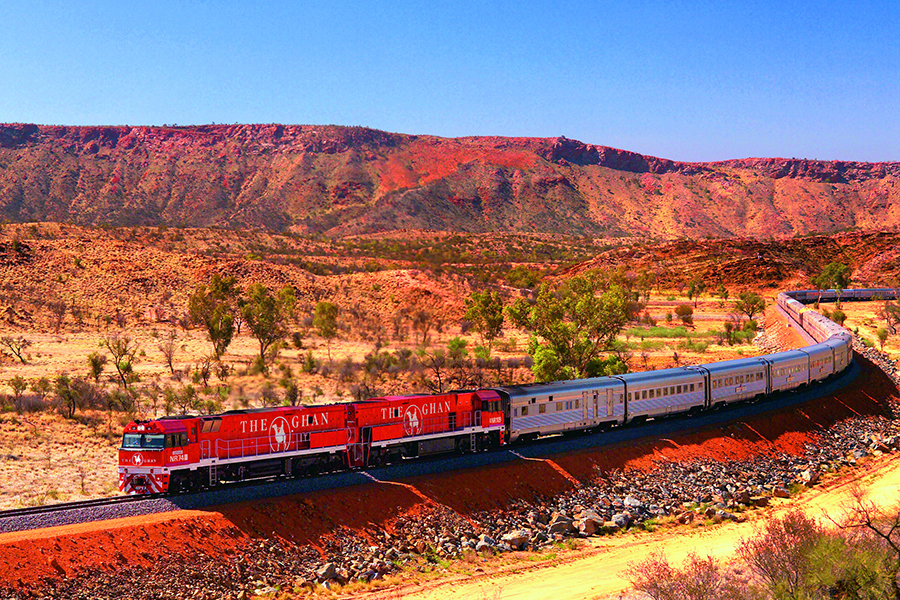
<point>343,180</point>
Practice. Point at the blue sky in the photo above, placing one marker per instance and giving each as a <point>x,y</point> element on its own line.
<point>682,80</point>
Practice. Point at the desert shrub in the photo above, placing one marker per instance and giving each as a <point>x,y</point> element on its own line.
<point>297,339</point>
<point>693,346</point>
<point>699,579</point>
<point>657,332</point>
<point>685,312</point>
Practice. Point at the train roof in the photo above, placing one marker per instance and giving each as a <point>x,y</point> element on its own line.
<point>668,374</point>
<point>735,363</point>
<point>568,385</point>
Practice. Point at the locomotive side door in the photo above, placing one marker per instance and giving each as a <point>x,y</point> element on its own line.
<point>356,455</point>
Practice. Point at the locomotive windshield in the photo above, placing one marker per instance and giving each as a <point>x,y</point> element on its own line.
<point>137,440</point>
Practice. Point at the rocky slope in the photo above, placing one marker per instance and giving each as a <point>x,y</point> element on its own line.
<point>345,180</point>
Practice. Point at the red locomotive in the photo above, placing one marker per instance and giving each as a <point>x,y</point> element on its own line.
<point>176,454</point>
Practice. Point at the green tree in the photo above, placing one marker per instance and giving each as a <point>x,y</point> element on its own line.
<point>838,316</point>
<point>836,276</point>
<point>750,303</point>
<point>325,322</point>
<point>41,387</point>
<point>123,350</point>
<point>456,348</point>
<point>695,289</point>
<point>18,384</point>
<point>67,395</point>
<point>96,361</point>
<point>572,325</point>
<point>266,317</point>
<point>882,334</point>
<point>214,307</point>
<point>485,311</point>
<point>18,346</point>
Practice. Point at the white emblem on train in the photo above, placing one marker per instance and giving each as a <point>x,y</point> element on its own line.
<point>279,434</point>
<point>412,421</point>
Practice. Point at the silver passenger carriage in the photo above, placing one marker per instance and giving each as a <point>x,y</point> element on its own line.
<point>548,408</point>
<point>664,392</point>
<point>735,380</point>
<point>821,361</point>
<point>787,370</point>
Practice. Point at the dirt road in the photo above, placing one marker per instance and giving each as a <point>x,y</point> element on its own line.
<point>598,571</point>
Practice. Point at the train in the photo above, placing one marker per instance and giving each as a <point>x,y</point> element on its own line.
<point>187,453</point>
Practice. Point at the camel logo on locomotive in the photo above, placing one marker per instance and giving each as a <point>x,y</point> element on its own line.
<point>412,421</point>
<point>413,418</point>
<point>279,434</point>
<point>137,458</point>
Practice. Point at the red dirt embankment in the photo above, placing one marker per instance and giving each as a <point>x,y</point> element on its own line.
<point>27,559</point>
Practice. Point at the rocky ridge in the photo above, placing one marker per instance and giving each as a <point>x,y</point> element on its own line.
<point>349,180</point>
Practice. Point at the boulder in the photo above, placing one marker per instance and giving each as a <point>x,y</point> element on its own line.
<point>810,477</point>
<point>621,520</point>
<point>517,538</point>
<point>588,526</point>
<point>562,524</point>
<point>326,572</point>
<point>632,502</point>
<point>759,501</point>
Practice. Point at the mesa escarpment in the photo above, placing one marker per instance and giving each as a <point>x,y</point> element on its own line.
<point>348,180</point>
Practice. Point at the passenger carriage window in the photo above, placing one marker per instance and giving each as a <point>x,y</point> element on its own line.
<point>542,408</point>
<point>559,407</point>
<point>692,387</point>
<point>651,394</point>
<point>678,389</point>
<point>524,411</point>
<point>700,386</point>
<point>644,395</point>
<point>578,404</point>
<point>515,412</point>
<point>629,396</point>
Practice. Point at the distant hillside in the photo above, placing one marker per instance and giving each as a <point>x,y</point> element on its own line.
<point>346,180</point>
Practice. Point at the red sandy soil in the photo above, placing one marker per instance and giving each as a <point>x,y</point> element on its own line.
<point>28,559</point>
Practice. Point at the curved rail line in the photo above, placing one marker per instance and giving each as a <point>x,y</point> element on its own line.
<point>791,303</point>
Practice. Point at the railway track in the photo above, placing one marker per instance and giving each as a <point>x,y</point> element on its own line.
<point>69,513</point>
<point>79,505</point>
